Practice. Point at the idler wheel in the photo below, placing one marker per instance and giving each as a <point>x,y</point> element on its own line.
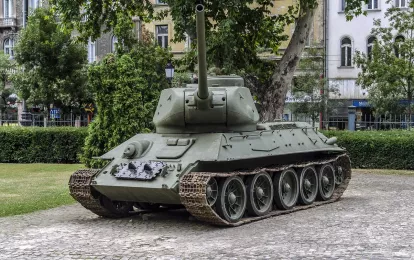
<point>119,208</point>
<point>231,203</point>
<point>326,181</point>
<point>260,191</point>
<point>308,185</point>
<point>286,186</point>
<point>212,191</point>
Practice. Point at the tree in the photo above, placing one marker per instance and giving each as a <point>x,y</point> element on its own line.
<point>127,88</point>
<point>388,70</point>
<point>53,66</point>
<point>6,65</point>
<point>308,88</point>
<point>235,29</point>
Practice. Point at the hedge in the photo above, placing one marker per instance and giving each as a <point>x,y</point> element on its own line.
<point>368,149</point>
<point>41,145</point>
<point>378,149</point>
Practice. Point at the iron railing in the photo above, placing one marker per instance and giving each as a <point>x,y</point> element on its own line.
<point>11,119</point>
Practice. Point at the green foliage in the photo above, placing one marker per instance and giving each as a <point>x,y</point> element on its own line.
<point>5,66</point>
<point>127,89</point>
<point>388,71</point>
<point>91,17</point>
<point>53,66</point>
<point>236,30</point>
<point>41,145</point>
<point>378,149</point>
<point>307,86</point>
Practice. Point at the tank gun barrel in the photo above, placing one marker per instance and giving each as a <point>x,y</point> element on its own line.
<point>201,47</point>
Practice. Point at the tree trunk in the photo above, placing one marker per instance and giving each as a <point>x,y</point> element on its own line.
<point>274,99</point>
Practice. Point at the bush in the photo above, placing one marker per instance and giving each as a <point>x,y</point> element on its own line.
<point>378,149</point>
<point>41,145</point>
<point>127,88</point>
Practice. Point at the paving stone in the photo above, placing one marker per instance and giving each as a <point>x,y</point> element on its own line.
<point>372,221</point>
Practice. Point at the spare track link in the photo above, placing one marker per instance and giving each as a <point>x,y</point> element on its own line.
<point>81,190</point>
<point>193,191</point>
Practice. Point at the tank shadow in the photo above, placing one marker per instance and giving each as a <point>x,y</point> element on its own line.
<point>176,218</point>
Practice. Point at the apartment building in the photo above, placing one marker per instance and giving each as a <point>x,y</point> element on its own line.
<point>11,21</point>
<point>343,39</point>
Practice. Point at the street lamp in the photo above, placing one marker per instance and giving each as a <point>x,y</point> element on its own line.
<point>169,72</point>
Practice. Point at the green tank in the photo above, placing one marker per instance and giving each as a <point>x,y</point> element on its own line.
<point>211,155</point>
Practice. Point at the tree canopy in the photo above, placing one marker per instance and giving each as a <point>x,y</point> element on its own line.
<point>52,64</point>
<point>388,70</point>
<point>6,65</point>
<point>236,29</point>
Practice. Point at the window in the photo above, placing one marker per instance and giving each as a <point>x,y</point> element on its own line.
<point>160,2</point>
<point>372,4</point>
<point>8,47</point>
<point>33,4</point>
<point>401,3</point>
<point>370,45</point>
<point>346,52</point>
<point>343,5</point>
<point>162,35</point>
<point>187,44</point>
<point>91,51</point>
<point>398,43</point>
<point>8,8</point>
<point>114,43</point>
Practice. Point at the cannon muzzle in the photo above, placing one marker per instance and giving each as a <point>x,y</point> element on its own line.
<point>201,47</point>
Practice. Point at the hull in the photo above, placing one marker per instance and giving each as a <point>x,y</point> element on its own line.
<point>181,158</point>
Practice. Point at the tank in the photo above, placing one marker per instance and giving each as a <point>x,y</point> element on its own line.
<point>211,155</point>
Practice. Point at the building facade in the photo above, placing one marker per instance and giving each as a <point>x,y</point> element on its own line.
<point>11,21</point>
<point>344,38</point>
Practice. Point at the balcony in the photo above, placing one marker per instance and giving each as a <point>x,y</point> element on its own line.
<point>8,22</point>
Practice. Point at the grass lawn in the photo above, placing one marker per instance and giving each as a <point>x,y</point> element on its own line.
<point>26,188</point>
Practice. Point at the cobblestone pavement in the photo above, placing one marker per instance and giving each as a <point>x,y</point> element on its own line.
<point>374,220</point>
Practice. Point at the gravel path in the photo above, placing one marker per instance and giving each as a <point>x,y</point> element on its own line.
<point>374,220</point>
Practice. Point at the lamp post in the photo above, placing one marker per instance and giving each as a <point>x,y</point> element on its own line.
<point>169,72</point>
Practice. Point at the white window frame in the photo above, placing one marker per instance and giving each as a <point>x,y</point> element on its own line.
<point>401,3</point>
<point>187,44</point>
<point>373,5</point>
<point>114,41</point>
<point>8,47</point>
<point>347,62</point>
<point>370,45</point>
<point>8,9</point>
<point>91,51</point>
<point>397,51</point>
<point>164,36</point>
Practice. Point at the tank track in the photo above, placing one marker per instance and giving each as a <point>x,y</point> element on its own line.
<point>193,191</point>
<point>81,190</point>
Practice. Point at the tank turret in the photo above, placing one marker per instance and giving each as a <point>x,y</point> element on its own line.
<point>215,104</point>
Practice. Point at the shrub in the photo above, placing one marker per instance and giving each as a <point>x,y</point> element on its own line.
<point>41,145</point>
<point>127,88</point>
<point>378,149</point>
